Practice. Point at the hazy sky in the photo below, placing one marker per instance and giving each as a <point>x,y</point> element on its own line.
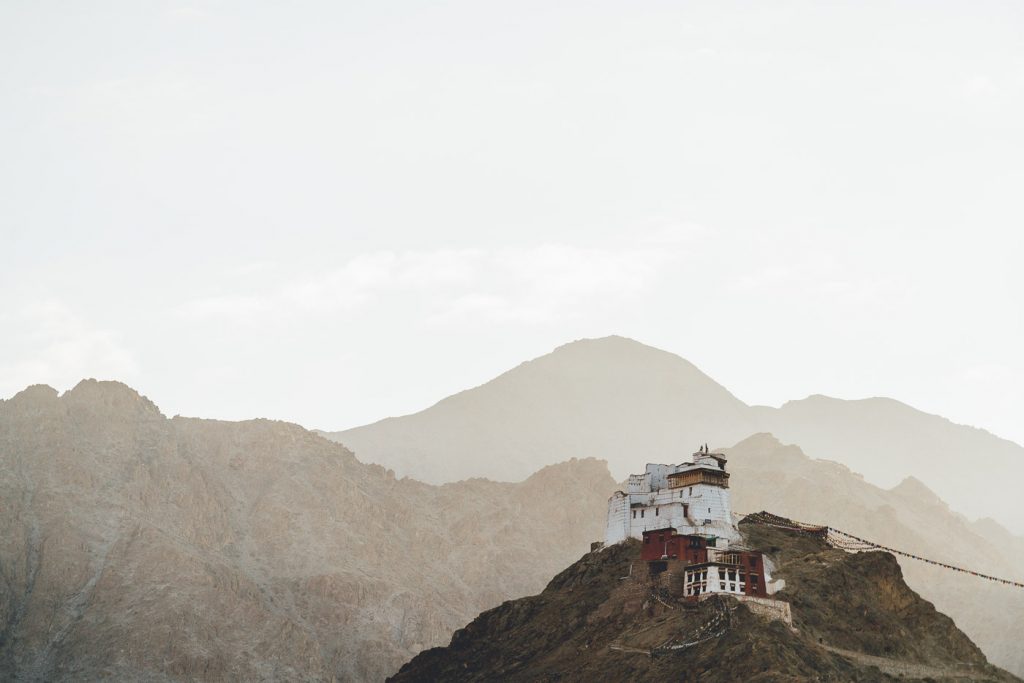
<point>333,212</point>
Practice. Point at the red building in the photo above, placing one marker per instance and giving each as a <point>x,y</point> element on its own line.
<point>667,544</point>
<point>708,569</point>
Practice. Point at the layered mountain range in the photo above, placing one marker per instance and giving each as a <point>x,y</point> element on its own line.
<point>140,547</point>
<point>628,403</point>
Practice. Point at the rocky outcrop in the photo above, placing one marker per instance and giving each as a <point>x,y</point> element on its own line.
<point>139,547</point>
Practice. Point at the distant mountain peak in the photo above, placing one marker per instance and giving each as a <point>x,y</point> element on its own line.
<point>36,392</point>
<point>108,395</point>
<point>609,341</point>
<point>33,399</point>
<point>614,344</point>
<point>913,487</point>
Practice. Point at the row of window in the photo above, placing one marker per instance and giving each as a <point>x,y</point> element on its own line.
<point>723,587</point>
<point>740,587</point>
<point>686,512</point>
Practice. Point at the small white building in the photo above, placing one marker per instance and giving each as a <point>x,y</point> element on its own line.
<point>692,498</point>
<point>712,577</point>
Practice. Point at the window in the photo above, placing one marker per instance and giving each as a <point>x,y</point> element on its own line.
<point>641,514</point>
<point>656,512</point>
<point>634,514</point>
<point>647,539</point>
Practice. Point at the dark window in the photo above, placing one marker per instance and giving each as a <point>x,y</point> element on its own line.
<point>641,514</point>
<point>634,514</point>
<point>647,539</point>
<point>656,512</point>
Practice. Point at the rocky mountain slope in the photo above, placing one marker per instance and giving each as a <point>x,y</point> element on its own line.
<point>139,547</point>
<point>622,401</point>
<point>603,618</point>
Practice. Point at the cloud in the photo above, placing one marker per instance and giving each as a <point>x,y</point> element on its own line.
<point>545,283</point>
<point>45,341</point>
<point>186,14</point>
<point>528,284</point>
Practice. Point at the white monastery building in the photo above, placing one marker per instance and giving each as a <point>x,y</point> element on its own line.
<point>682,514</point>
<point>692,498</point>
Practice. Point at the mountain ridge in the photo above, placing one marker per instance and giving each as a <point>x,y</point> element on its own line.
<point>609,396</point>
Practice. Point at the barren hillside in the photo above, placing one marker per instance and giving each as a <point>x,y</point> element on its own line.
<point>147,548</point>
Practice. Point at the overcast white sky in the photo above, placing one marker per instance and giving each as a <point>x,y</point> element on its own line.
<point>333,212</point>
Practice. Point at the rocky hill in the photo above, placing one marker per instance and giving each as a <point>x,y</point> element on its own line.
<point>603,618</point>
<point>622,401</point>
<point>139,547</point>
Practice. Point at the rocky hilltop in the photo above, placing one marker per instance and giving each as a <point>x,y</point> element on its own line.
<point>139,547</point>
<point>604,618</point>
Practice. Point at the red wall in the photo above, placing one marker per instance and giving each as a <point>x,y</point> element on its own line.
<point>667,542</point>
<point>693,550</point>
<point>753,563</point>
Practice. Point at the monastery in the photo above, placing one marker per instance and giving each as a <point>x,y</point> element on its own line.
<point>683,515</point>
<point>692,498</point>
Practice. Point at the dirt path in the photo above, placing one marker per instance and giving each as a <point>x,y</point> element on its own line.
<point>896,667</point>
